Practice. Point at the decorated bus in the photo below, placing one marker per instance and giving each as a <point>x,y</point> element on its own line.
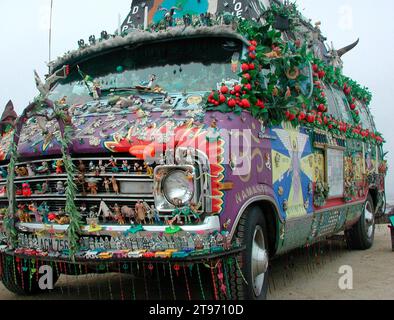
<point>216,134</point>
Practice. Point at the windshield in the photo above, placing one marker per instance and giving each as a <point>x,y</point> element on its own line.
<point>181,66</point>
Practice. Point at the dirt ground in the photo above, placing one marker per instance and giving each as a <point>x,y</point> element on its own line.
<point>302,274</point>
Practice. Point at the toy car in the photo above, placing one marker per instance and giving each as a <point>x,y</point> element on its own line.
<point>105,255</point>
<point>120,254</point>
<point>180,254</point>
<point>163,254</point>
<point>149,255</point>
<point>136,254</point>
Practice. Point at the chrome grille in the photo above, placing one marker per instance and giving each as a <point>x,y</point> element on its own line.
<point>134,186</point>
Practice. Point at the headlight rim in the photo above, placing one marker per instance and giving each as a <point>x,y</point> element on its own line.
<point>165,193</point>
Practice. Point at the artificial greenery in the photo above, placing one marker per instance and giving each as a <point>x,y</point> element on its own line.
<point>71,188</point>
<point>275,84</point>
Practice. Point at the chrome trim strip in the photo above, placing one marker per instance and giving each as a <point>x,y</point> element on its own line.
<point>209,225</point>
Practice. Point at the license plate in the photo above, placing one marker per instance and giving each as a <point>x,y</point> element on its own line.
<point>53,245</point>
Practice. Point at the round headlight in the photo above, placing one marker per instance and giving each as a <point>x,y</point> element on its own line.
<point>178,188</point>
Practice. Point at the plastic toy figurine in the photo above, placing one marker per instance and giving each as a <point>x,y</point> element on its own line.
<point>43,210</point>
<point>129,213</point>
<point>107,184</point>
<point>61,217</point>
<point>83,209</point>
<point>43,169</point>
<point>22,214</point>
<point>113,163</point>
<point>58,166</point>
<point>60,188</point>
<point>21,171</point>
<point>102,167</point>
<point>34,210</point>
<point>92,186</point>
<point>119,217</point>
<point>26,190</point>
<point>137,167</point>
<point>106,211</point>
<point>92,167</point>
<point>125,166</point>
<point>81,181</point>
<point>81,167</point>
<point>30,170</point>
<point>155,214</point>
<point>43,188</point>
<point>149,170</point>
<point>140,211</point>
<point>96,89</point>
<point>115,185</point>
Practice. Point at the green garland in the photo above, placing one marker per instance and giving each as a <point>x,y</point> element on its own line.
<point>274,85</point>
<point>9,220</point>
<point>71,188</point>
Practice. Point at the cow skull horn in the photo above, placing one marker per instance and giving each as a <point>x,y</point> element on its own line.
<point>346,49</point>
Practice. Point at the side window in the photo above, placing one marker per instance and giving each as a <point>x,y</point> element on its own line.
<point>342,105</point>
<point>366,117</point>
<point>331,103</point>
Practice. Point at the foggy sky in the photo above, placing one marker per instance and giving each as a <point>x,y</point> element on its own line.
<point>24,45</point>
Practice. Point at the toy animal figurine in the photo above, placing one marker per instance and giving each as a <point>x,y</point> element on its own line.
<point>30,170</point>
<point>140,211</point>
<point>129,213</point>
<point>107,184</point>
<point>34,210</point>
<point>92,186</point>
<point>26,190</point>
<point>149,170</point>
<point>22,214</point>
<point>60,188</point>
<point>58,166</point>
<point>61,217</point>
<point>105,211</point>
<point>43,189</point>
<point>119,217</point>
<point>115,185</point>
<point>21,171</point>
<point>43,169</point>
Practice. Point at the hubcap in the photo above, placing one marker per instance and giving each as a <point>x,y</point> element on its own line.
<point>369,219</point>
<point>259,261</point>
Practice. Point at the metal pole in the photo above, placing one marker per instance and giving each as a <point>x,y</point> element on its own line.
<point>50,32</point>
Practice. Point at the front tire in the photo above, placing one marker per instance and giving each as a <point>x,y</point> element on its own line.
<point>361,235</point>
<point>254,261</point>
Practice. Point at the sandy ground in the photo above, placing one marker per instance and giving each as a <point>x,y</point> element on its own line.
<point>302,274</point>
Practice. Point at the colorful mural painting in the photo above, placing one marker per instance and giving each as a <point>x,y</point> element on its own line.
<point>292,171</point>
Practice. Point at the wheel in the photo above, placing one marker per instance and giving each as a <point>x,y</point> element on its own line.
<point>361,235</point>
<point>253,262</point>
<point>18,281</point>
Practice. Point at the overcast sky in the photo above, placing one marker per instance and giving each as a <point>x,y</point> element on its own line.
<point>24,45</point>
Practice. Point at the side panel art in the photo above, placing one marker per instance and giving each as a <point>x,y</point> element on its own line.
<point>292,171</point>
